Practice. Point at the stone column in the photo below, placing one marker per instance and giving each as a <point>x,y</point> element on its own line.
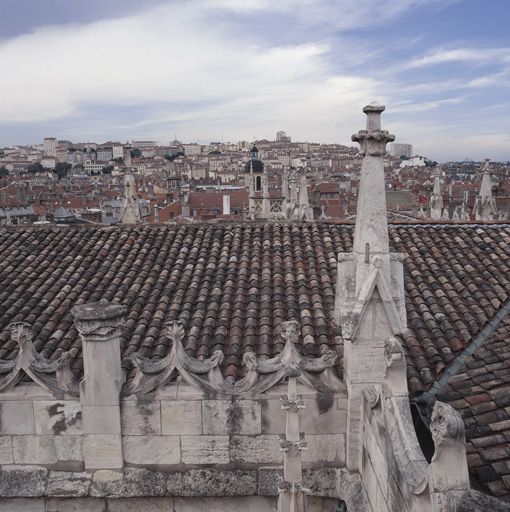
<point>99,325</point>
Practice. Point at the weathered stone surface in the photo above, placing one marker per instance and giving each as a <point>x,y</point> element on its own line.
<point>57,417</point>
<point>325,414</point>
<point>246,504</point>
<point>135,483</point>
<point>22,481</point>
<point>210,482</point>
<point>108,475</point>
<point>273,417</point>
<point>46,449</point>
<point>268,480</point>
<point>141,505</point>
<point>17,417</point>
<point>181,417</point>
<point>6,450</point>
<point>102,451</point>
<point>204,449</point>
<point>320,481</point>
<point>22,505</point>
<point>263,449</point>
<point>350,489</point>
<point>325,448</point>
<point>101,419</point>
<point>76,505</point>
<point>231,417</point>
<point>318,504</point>
<point>141,418</point>
<point>152,449</point>
<point>65,483</point>
<point>375,456</point>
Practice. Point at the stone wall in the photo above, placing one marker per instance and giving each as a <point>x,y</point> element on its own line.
<point>252,504</point>
<point>177,431</point>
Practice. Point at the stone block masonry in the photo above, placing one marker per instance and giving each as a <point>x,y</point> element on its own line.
<point>164,434</point>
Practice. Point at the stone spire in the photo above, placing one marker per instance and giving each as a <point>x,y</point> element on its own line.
<point>371,221</point>
<point>305,212</point>
<point>130,211</point>
<point>436,199</point>
<point>370,301</point>
<point>485,208</point>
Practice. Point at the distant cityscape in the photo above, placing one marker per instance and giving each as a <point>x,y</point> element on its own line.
<point>143,181</point>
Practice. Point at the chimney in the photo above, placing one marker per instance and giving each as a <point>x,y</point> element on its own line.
<point>226,204</point>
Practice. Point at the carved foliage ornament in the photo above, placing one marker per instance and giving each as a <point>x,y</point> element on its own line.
<point>54,376</point>
<point>259,375</point>
<point>373,142</point>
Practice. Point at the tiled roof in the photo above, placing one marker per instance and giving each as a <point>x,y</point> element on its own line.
<point>399,199</point>
<point>233,284</point>
<point>480,391</point>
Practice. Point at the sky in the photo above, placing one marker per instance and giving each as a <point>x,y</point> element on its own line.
<point>210,70</point>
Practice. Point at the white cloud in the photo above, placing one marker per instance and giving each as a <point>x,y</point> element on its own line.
<point>411,107</point>
<point>169,55</point>
<point>461,55</point>
<point>187,67</point>
<point>342,14</point>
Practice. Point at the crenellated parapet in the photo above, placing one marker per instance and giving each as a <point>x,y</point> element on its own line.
<point>259,374</point>
<point>170,418</point>
<point>55,376</point>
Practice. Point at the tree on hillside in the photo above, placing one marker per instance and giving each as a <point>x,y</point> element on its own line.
<point>35,167</point>
<point>3,172</point>
<point>61,169</point>
<point>172,157</point>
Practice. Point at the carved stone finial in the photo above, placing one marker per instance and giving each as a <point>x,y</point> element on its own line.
<point>290,330</point>
<point>100,320</point>
<point>436,199</point>
<point>174,330</point>
<point>448,469</point>
<point>373,140</point>
<point>446,424</point>
<point>485,208</point>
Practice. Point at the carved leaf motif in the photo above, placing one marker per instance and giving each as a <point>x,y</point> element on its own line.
<point>175,331</point>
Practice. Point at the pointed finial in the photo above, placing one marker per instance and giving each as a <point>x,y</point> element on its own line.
<point>373,140</point>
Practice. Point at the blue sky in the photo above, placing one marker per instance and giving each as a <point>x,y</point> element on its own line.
<point>200,69</point>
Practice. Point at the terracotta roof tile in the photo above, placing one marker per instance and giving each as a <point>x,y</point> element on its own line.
<point>233,284</point>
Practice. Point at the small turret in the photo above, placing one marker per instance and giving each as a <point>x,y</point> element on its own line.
<point>485,208</point>
<point>436,199</point>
